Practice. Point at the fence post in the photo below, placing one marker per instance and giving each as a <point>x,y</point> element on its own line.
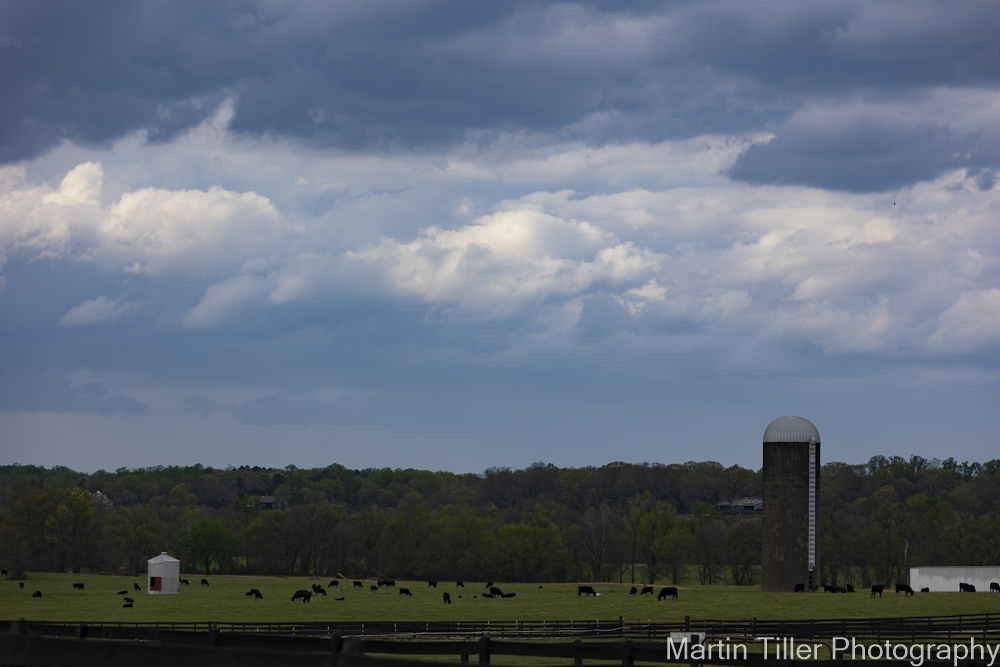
<point>484,650</point>
<point>577,661</point>
<point>627,653</point>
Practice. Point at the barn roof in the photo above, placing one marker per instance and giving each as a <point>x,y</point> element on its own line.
<point>790,429</point>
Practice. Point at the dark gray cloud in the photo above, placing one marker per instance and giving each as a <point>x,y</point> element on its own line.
<point>412,73</point>
<point>49,392</point>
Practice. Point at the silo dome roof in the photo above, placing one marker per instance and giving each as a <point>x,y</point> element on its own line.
<point>790,429</point>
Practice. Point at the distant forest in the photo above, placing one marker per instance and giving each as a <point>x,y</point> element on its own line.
<point>622,522</point>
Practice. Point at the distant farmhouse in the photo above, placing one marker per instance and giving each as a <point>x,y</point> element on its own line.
<point>740,505</point>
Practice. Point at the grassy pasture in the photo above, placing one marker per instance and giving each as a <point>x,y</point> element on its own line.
<point>224,601</point>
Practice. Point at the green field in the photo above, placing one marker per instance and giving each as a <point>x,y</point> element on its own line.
<point>224,601</point>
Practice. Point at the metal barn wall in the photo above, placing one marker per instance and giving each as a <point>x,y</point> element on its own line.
<point>947,579</point>
<point>785,553</point>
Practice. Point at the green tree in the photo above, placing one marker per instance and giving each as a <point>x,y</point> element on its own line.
<point>137,535</point>
<point>209,541</point>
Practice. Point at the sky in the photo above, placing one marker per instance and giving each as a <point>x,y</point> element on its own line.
<point>455,235</point>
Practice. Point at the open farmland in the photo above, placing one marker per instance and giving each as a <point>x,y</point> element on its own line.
<point>224,601</point>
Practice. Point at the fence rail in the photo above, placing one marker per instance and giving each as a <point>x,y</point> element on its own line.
<point>938,628</point>
<point>31,644</point>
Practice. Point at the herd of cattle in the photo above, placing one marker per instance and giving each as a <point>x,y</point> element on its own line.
<point>305,595</point>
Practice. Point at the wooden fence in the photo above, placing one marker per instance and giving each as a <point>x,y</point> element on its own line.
<point>38,644</point>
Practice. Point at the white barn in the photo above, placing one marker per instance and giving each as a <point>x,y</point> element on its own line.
<point>164,574</point>
<point>947,579</point>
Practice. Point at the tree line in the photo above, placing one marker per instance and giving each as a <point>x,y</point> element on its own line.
<point>624,522</point>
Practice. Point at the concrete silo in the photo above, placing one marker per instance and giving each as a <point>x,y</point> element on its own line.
<point>791,496</point>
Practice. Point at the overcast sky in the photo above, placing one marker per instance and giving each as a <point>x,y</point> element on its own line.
<point>455,235</point>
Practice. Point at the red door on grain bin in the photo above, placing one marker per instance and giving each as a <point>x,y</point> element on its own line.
<point>154,583</point>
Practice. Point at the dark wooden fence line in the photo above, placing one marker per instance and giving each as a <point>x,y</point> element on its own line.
<point>943,628</point>
<point>22,649</point>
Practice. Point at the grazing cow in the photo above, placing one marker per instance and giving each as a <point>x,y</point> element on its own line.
<point>3,573</point>
<point>77,587</point>
<point>315,587</point>
<point>358,584</point>
<point>459,584</point>
<point>303,594</point>
<point>333,584</point>
<point>127,605</point>
<point>432,583</point>
<point>204,582</point>
<point>128,599</point>
<point>585,590</point>
<point>877,588</point>
<point>508,595</point>
<point>486,595</point>
<point>800,588</point>
<point>925,590</point>
<point>496,592</point>
<point>850,589</point>
<point>966,588</point>
<point>320,591</point>
<point>994,587</point>
<point>136,586</point>
<point>249,594</point>
<point>446,598</point>
<point>904,589</point>
<point>646,590</point>
<point>36,594</point>
<point>829,589</point>
<point>185,582</point>
<point>633,590</point>
<point>258,596</point>
<point>20,585</point>
<point>374,588</point>
<point>406,592</point>
<point>665,591</point>
<point>122,592</point>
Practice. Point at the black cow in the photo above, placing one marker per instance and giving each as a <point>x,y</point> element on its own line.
<point>204,582</point>
<point>127,605</point>
<point>925,590</point>
<point>665,591</point>
<point>185,582</point>
<point>446,598</point>
<point>646,590</point>
<point>994,587</point>
<point>966,588</point>
<point>316,588</point>
<point>358,584</point>
<point>3,573</point>
<point>850,589</point>
<point>486,595</point>
<point>122,592</point>
<point>374,588</point>
<point>248,594</point>
<point>800,588</point>
<point>20,585</point>
<point>904,589</point>
<point>256,594</point>
<point>36,594</point>
<point>432,583</point>
<point>128,600</point>
<point>508,595</point>
<point>496,592</point>
<point>830,589</point>
<point>136,586</point>
<point>633,590</point>
<point>585,590</point>
<point>459,584</point>
<point>877,588</point>
<point>77,587</point>
<point>406,592</point>
<point>303,594</point>
<point>333,584</point>
<point>489,584</point>
<point>320,591</point>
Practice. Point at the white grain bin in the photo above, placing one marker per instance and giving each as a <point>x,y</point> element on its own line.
<point>164,575</point>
